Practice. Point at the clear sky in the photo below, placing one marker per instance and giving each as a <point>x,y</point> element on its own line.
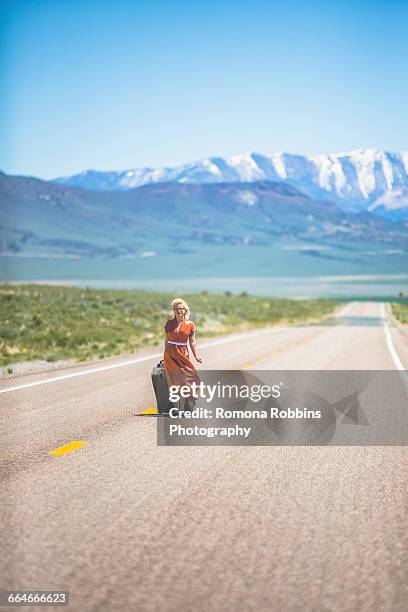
<point>110,84</point>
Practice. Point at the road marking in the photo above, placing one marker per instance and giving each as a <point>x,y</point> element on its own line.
<point>75,374</point>
<point>45,381</point>
<point>346,310</point>
<point>388,339</point>
<point>68,448</point>
<point>148,411</point>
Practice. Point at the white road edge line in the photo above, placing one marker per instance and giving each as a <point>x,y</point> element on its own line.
<point>390,345</point>
<point>140,359</point>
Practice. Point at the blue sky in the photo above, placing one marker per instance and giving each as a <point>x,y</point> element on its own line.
<point>117,84</point>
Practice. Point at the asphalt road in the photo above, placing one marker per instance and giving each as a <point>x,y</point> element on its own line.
<point>126,525</point>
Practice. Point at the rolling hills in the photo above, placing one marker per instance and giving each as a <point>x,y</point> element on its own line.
<point>261,226</point>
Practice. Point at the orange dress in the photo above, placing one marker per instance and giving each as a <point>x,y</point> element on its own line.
<point>177,365</point>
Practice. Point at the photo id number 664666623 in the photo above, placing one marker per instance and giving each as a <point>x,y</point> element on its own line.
<point>34,598</point>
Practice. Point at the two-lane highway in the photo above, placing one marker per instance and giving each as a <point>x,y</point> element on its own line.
<point>126,525</point>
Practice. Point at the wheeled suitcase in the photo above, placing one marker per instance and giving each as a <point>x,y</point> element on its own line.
<point>161,389</point>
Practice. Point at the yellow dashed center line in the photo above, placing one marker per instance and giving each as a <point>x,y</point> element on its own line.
<point>149,411</point>
<point>289,347</point>
<point>68,448</point>
<point>277,350</point>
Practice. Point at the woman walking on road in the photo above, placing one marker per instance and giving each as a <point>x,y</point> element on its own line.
<point>180,332</point>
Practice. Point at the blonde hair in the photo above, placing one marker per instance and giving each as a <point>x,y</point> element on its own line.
<point>179,302</point>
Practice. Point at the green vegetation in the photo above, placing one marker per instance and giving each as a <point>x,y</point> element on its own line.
<point>50,322</point>
<point>400,312</point>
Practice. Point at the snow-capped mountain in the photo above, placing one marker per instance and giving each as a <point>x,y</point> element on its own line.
<point>360,179</point>
<point>392,204</point>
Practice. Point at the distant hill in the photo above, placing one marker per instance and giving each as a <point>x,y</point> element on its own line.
<point>183,230</point>
<point>44,216</point>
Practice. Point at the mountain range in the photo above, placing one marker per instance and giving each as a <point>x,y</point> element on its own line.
<point>259,227</point>
<point>364,179</point>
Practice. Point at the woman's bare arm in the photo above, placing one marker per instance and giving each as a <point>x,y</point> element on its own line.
<point>193,345</point>
<point>165,341</point>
